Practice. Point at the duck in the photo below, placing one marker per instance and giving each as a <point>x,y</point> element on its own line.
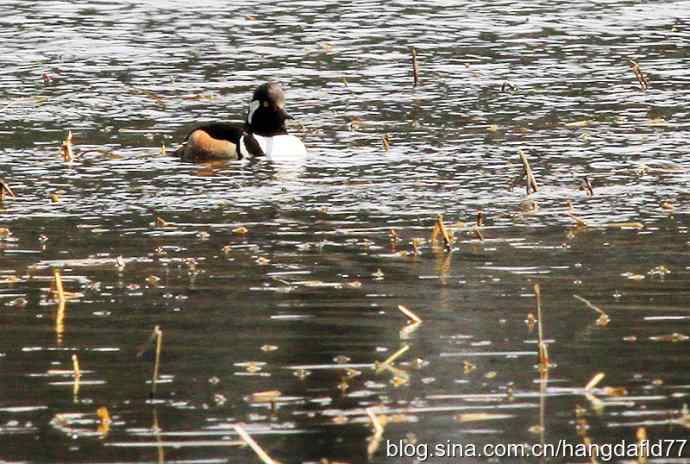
<point>263,133</point>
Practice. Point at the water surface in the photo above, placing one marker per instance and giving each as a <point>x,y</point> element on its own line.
<point>306,301</point>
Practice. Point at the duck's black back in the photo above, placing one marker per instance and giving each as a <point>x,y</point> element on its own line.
<point>222,131</point>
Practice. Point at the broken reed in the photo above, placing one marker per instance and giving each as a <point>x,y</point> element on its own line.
<point>508,87</point>
<point>603,319</point>
<point>527,174</point>
<point>394,356</point>
<point>59,289</point>
<point>158,333</point>
<point>415,67</point>
<point>594,381</point>
<point>414,319</point>
<point>440,229</point>
<point>263,455</point>
<point>378,433</point>
<point>75,367</point>
<point>5,189</point>
<point>478,224</point>
<point>67,153</point>
<point>641,77</point>
<point>586,186</point>
<point>76,372</point>
<point>543,351</point>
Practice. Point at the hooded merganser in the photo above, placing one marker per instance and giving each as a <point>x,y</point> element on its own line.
<point>262,134</point>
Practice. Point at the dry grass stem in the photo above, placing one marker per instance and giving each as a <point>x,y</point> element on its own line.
<point>641,77</point>
<point>412,316</point>
<point>76,372</point>
<point>67,153</point>
<point>60,322</point>
<point>579,223</point>
<point>415,67</point>
<point>441,230</point>
<point>508,87</point>
<point>586,186</point>
<point>263,455</point>
<point>158,333</point>
<point>481,217</point>
<point>394,356</point>
<point>375,440</point>
<point>603,317</point>
<point>543,351</point>
<point>595,381</point>
<point>75,367</point>
<point>531,182</point>
<point>625,225</point>
<point>59,289</point>
<point>378,427</point>
<point>5,189</point>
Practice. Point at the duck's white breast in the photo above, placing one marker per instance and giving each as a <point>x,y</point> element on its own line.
<point>282,147</point>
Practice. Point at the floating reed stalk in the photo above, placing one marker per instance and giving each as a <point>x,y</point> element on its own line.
<point>440,229</point>
<point>603,317</point>
<point>543,381</point>
<point>155,427</point>
<point>59,289</point>
<point>75,366</point>
<point>543,351</point>
<point>410,315</point>
<point>478,225</point>
<point>5,189</point>
<point>480,218</point>
<point>60,322</point>
<point>507,86</point>
<point>595,381</point>
<point>414,322</point>
<point>76,372</point>
<point>641,77</point>
<point>378,428</point>
<point>415,67</point>
<point>269,397</point>
<point>625,225</point>
<point>67,153</point>
<point>586,185</point>
<point>393,357</point>
<point>378,433</point>
<point>263,455</point>
<point>527,173</point>
<point>158,333</point>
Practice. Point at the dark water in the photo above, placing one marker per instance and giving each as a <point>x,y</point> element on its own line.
<point>312,289</point>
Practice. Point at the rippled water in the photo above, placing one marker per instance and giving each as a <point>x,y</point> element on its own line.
<point>305,302</point>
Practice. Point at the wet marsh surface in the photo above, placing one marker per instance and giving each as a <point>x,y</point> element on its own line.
<point>287,278</point>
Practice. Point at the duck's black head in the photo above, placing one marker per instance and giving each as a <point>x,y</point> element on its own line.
<point>266,115</point>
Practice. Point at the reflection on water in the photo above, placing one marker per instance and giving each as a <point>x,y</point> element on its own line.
<point>286,279</point>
